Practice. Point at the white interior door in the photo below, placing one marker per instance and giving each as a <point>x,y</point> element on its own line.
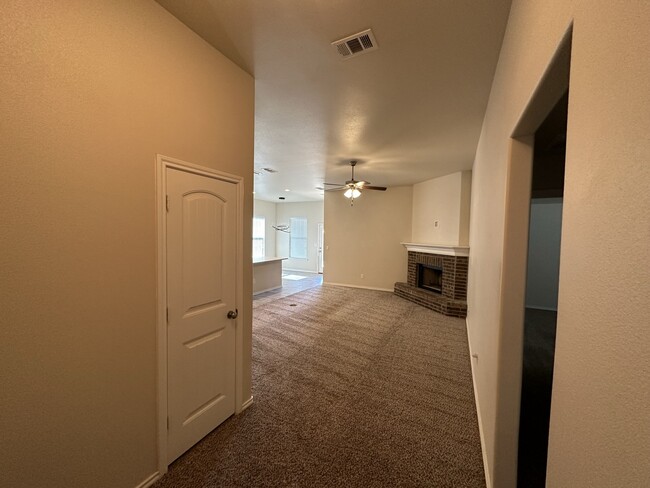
<point>201,279</point>
<point>321,243</point>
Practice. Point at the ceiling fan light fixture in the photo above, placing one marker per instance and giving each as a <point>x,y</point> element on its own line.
<point>352,193</point>
<point>352,188</point>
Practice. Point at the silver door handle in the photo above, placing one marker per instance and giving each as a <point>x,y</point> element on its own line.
<point>232,314</point>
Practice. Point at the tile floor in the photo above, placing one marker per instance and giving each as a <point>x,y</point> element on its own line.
<point>289,287</point>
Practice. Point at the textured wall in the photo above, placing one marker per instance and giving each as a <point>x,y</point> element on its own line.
<point>90,92</point>
<point>600,433</point>
<point>365,239</point>
<point>441,209</point>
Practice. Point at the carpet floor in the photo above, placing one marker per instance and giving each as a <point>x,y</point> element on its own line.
<point>351,388</point>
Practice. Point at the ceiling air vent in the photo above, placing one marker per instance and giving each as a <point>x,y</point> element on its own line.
<point>356,44</point>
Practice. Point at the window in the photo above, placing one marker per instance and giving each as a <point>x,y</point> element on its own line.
<point>259,223</point>
<point>298,243</point>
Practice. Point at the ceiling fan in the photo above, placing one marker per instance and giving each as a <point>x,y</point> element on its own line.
<point>353,188</point>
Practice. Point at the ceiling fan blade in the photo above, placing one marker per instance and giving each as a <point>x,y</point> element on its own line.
<point>354,185</point>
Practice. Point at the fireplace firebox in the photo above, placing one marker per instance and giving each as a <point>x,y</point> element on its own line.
<point>429,278</point>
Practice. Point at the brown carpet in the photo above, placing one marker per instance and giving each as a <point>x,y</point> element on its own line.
<point>352,388</point>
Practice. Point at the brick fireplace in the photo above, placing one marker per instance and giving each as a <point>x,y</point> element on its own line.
<point>437,278</point>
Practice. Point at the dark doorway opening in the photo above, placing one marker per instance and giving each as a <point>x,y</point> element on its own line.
<point>541,295</point>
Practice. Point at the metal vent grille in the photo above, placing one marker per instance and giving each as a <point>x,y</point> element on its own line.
<point>356,44</point>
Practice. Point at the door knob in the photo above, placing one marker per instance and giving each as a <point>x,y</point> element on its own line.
<point>233,314</point>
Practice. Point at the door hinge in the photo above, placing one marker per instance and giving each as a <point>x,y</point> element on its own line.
<point>167,202</point>
<point>167,314</point>
<point>167,423</point>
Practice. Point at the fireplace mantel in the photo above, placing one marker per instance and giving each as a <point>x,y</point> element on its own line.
<point>444,249</point>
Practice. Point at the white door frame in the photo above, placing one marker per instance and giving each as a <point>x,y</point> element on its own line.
<point>321,246</point>
<point>162,163</point>
<point>550,88</point>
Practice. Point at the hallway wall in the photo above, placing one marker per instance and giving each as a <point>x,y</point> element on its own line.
<point>90,92</point>
<point>599,433</point>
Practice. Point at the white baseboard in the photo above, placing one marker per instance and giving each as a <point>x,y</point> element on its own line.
<point>300,270</point>
<point>488,481</point>
<point>149,481</point>
<point>358,286</point>
<point>247,403</point>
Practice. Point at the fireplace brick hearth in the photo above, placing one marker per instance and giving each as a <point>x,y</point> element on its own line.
<point>452,300</point>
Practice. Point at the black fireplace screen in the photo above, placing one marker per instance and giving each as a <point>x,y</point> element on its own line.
<point>430,278</point>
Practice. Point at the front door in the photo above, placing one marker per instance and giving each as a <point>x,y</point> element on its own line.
<point>201,274</point>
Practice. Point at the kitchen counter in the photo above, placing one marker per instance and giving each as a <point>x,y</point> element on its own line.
<point>267,274</point>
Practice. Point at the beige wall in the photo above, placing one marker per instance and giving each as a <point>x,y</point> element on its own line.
<point>465,208</point>
<point>600,431</point>
<point>313,212</point>
<point>365,238</point>
<point>441,209</point>
<point>90,92</point>
<point>268,211</point>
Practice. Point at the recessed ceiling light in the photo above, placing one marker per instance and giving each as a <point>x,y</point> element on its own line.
<point>287,189</point>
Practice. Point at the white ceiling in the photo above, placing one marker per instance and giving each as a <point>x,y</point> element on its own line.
<point>410,111</point>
